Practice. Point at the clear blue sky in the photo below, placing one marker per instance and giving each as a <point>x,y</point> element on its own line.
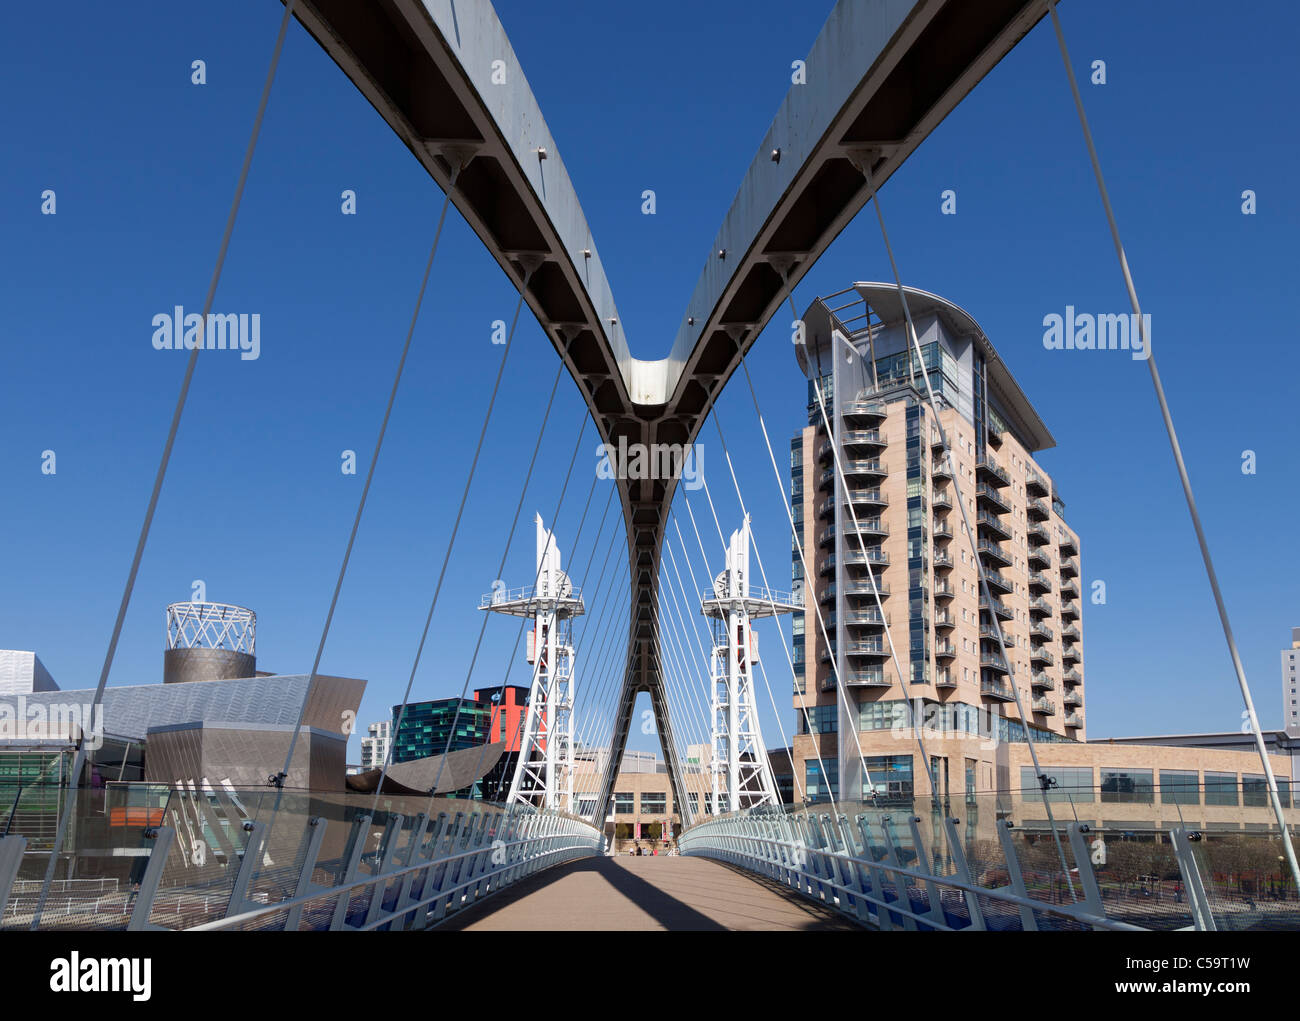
<point>675,97</point>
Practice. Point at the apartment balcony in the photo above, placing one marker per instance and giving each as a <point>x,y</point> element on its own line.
<point>940,469</point>
<point>1068,547</point>
<point>1072,677</point>
<point>994,551</point>
<point>940,530</point>
<point>994,661</point>
<point>1072,698</point>
<point>943,561</point>
<point>945,650</point>
<point>861,677</point>
<point>1070,633</point>
<point>1036,510</point>
<point>1039,654</point>
<point>873,555</point>
<point>1040,608</point>
<point>863,438</point>
<point>1069,590</point>
<point>862,587</point>
<point>1069,567</point>
<point>995,436</point>
<point>989,469</point>
<point>1043,681</point>
<point>872,411</point>
<point>1039,583</point>
<point>1070,655</point>
<point>1000,690</point>
<point>1070,610</point>
<point>860,468</point>
<point>945,679</point>
<point>988,522</point>
<point>871,528</point>
<point>1036,484</point>
<point>987,496</point>
<point>865,617</point>
<point>1045,706</point>
<point>996,606</point>
<point>944,620</point>
<point>1039,560</point>
<point>1037,535</point>
<point>1040,630</point>
<point>936,441</point>
<point>1074,720</point>
<point>997,582</point>
<point>869,650</point>
<point>941,500</point>
<point>944,590</point>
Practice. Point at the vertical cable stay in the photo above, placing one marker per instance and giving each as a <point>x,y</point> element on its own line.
<point>501,565</point>
<point>816,609</point>
<point>541,563</point>
<point>460,510</point>
<point>758,558</point>
<point>915,347</point>
<point>1176,448</point>
<point>696,671</point>
<point>841,688</point>
<point>79,760</point>
<point>799,787</point>
<point>592,694</point>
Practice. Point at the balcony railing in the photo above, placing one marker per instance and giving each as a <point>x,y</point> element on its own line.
<point>990,468</point>
<point>1043,680</point>
<point>996,689</point>
<point>1069,567</point>
<point>990,495</point>
<point>1040,630</point>
<point>1037,535</point>
<point>998,607</point>
<point>1037,484</point>
<point>1074,720</point>
<point>944,650</point>
<point>995,551</point>
<point>987,520</point>
<point>1037,510</point>
<point>1072,677</point>
<point>992,661</point>
<point>1045,706</point>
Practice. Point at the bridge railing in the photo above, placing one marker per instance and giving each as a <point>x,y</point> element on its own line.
<point>223,858</point>
<point>914,863</point>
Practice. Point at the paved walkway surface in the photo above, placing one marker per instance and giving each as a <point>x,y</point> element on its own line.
<point>647,893</point>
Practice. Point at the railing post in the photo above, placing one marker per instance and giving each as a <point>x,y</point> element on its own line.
<point>1027,920</point>
<point>314,840</point>
<point>238,901</point>
<point>411,854</point>
<point>360,830</point>
<point>433,874</point>
<point>924,863</point>
<point>153,871</point>
<point>958,854</point>
<point>1202,917</point>
<point>899,882</point>
<point>1083,862</point>
<point>12,850</point>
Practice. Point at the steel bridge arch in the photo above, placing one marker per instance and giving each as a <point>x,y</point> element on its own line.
<point>881,75</point>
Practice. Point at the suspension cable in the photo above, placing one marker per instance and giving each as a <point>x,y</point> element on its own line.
<point>1176,448</point>
<point>79,760</point>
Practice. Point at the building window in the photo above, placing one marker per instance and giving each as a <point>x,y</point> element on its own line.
<point>1179,787</point>
<point>817,789</point>
<point>624,804</point>
<point>1220,788</point>
<point>654,803</point>
<point>891,778</point>
<point>1127,786</point>
<point>1073,783</point>
<point>694,798</point>
<point>1254,790</point>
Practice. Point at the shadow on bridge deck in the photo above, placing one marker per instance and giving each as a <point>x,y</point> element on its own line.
<point>646,893</point>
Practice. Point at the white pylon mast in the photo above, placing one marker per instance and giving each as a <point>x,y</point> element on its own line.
<point>742,774</point>
<point>544,768</point>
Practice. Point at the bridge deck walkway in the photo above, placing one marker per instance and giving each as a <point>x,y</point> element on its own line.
<point>646,893</point>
